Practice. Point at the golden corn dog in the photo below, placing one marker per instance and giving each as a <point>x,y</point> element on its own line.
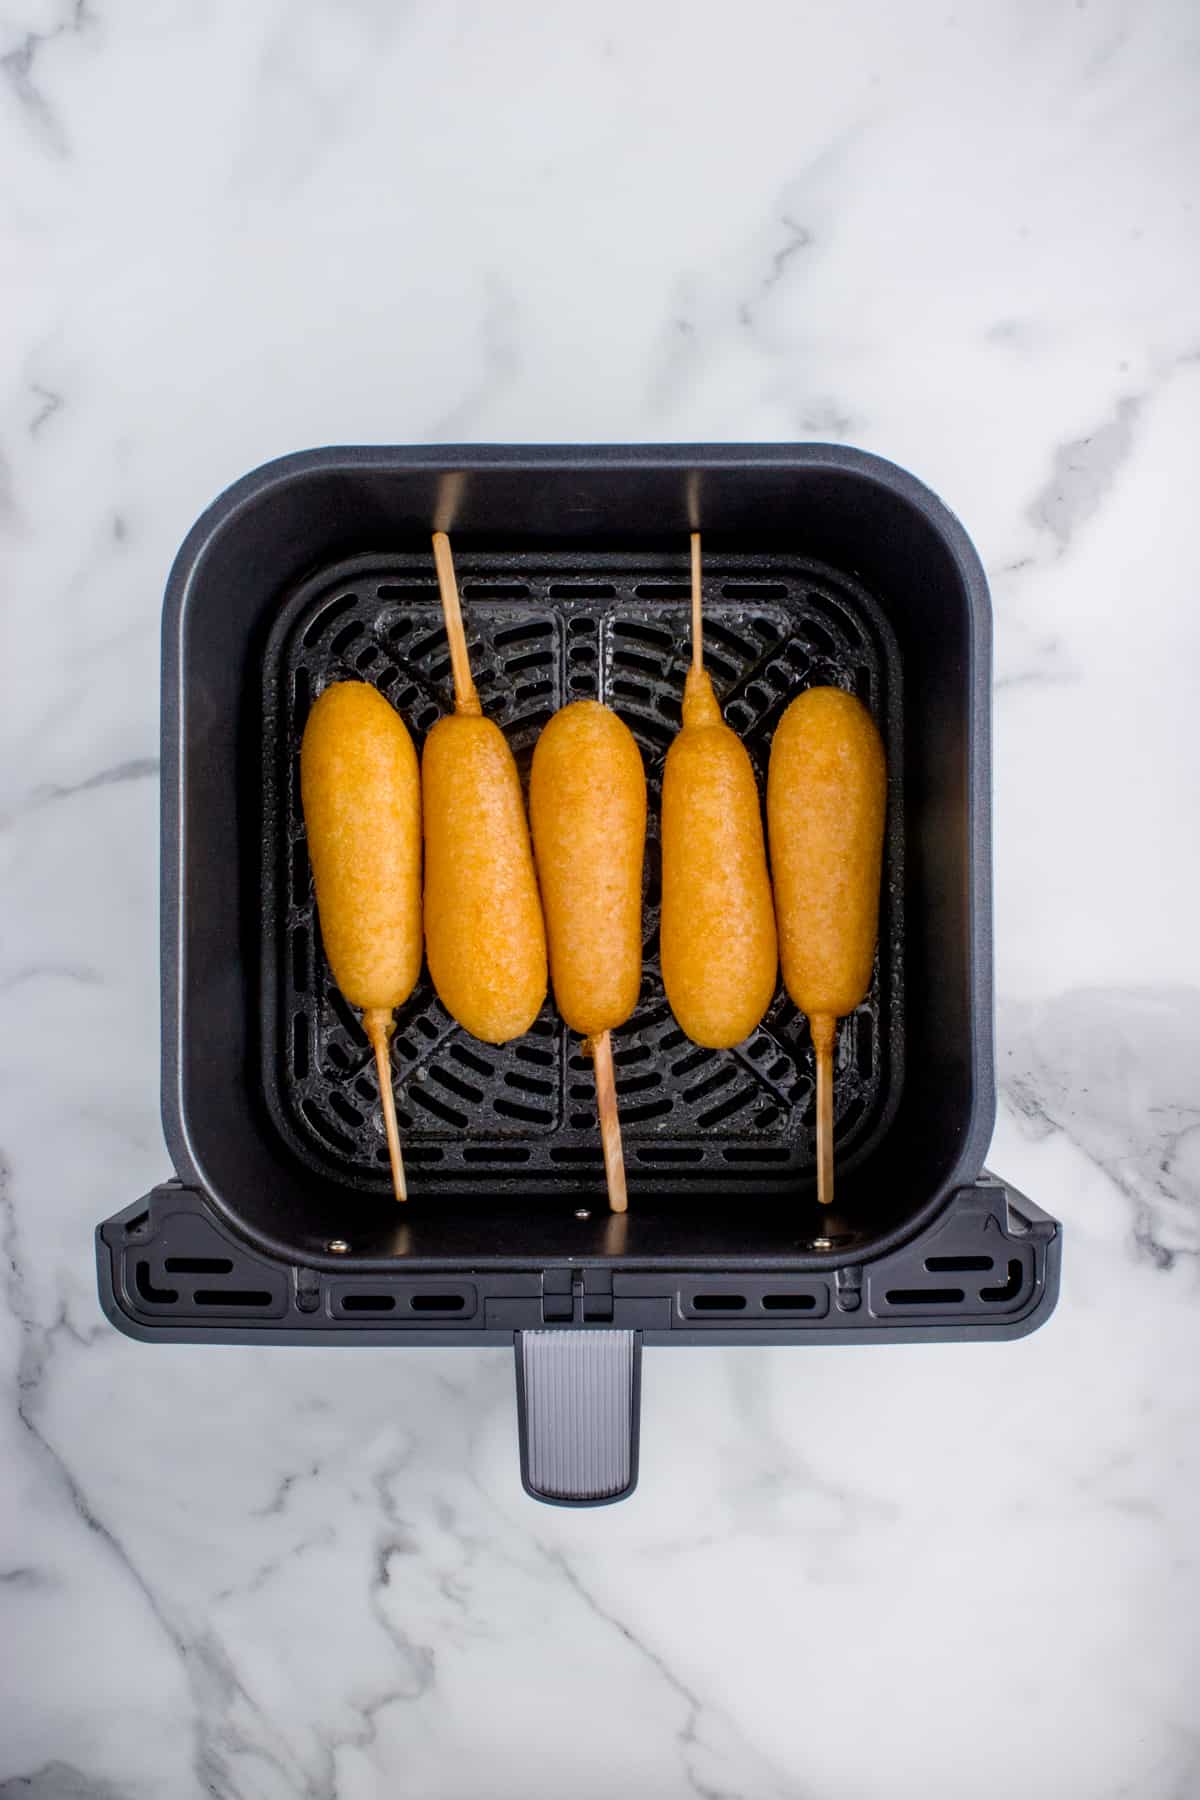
<point>826,799</point>
<point>484,934</point>
<point>361,795</point>
<point>483,921</point>
<point>717,935</point>
<point>587,805</point>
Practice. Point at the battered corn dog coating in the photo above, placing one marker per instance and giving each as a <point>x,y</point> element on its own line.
<point>719,954</point>
<point>826,799</point>
<point>361,794</point>
<point>484,935</point>
<point>587,806</point>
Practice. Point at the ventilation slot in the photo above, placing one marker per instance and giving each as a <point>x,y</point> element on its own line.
<point>462,1090</point>
<point>639,1084</point>
<point>449,1115</point>
<point>649,1109</point>
<point>156,1296</point>
<point>712,1084</point>
<point>757,1153</point>
<point>232,1297</point>
<point>788,1302</point>
<point>717,1115</point>
<point>326,617</point>
<point>344,639</point>
<point>349,1115</point>
<point>347,1019</point>
<point>958,1265</point>
<point>533,633</point>
<point>718,1302</point>
<point>429,1303</point>
<point>924,1296</point>
<point>532,659</point>
<point>198,1265</point>
<point>324,1129</point>
<point>640,665</point>
<point>536,1085</point>
<point>532,1115</point>
<point>300,876</point>
<point>670,1153</point>
<point>495,590</point>
<point>647,634</point>
<point>1009,1291</point>
<point>372,1303</point>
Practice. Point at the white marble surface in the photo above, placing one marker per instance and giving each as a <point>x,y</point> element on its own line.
<point>962,234</point>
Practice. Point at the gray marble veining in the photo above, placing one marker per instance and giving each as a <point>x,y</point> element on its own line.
<point>964,237</point>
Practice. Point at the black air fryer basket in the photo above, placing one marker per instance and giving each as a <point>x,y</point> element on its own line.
<point>821,565</point>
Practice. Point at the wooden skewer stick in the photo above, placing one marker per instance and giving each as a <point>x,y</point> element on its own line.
<point>379,1026</point>
<point>824,1031</point>
<point>697,625</point>
<point>610,1123</point>
<point>616,1233</point>
<point>466,700</point>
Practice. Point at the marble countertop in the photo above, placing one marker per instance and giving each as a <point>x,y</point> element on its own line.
<point>963,235</point>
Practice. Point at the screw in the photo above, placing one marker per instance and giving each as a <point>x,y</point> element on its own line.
<point>337,1246</point>
<point>583,1212</point>
<point>822,1243</point>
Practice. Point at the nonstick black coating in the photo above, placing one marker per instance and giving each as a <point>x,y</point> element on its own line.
<point>880,589</point>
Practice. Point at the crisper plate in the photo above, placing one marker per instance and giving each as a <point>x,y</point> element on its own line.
<point>545,629</point>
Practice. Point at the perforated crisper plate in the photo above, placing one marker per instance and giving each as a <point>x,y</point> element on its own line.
<point>545,629</point>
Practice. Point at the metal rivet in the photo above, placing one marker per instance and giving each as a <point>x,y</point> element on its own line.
<point>583,1212</point>
<point>337,1246</point>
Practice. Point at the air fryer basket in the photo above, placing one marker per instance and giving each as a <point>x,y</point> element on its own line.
<point>821,565</point>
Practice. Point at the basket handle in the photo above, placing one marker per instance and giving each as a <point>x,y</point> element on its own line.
<point>578,1413</point>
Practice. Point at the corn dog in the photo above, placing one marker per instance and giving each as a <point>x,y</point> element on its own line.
<point>587,804</point>
<point>361,796</point>
<point>719,954</point>
<point>826,799</point>
<point>484,934</point>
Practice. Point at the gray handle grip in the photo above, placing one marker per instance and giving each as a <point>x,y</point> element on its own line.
<point>578,1410</point>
